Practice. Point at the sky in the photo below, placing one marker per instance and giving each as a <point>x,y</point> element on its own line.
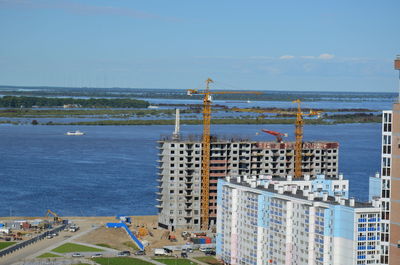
<point>308,45</point>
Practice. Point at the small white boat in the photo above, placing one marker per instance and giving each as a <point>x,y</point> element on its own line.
<point>75,133</point>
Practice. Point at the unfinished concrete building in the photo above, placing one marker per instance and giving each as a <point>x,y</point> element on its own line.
<point>180,171</point>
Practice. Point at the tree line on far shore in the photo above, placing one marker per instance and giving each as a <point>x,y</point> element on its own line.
<point>29,102</point>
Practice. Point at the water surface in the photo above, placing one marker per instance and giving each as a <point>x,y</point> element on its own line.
<point>112,169</point>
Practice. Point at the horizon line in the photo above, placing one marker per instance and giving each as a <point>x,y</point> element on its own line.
<point>284,90</point>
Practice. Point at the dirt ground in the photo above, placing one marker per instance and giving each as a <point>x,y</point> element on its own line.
<point>113,237</point>
<point>116,237</point>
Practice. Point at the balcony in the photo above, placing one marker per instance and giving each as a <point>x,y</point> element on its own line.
<point>218,161</point>
<point>217,174</point>
<point>217,167</point>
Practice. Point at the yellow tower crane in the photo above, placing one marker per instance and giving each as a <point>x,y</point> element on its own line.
<point>298,150</point>
<point>206,145</point>
<point>298,131</point>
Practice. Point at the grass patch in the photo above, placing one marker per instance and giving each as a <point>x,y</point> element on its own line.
<point>6,244</point>
<point>130,244</point>
<point>174,261</point>
<point>208,260</point>
<point>48,255</point>
<point>70,247</point>
<point>121,261</point>
<point>105,245</point>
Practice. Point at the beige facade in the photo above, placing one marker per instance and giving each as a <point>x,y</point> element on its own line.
<point>394,251</point>
<point>180,171</point>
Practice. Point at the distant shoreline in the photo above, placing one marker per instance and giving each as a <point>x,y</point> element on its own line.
<point>373,119</point>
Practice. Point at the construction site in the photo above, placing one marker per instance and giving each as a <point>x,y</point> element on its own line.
<point>189,167</point>
<point>189,170</point>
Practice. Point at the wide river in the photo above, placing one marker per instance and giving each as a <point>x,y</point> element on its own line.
<point>112,169</point>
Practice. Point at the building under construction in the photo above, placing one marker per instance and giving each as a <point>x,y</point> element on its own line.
<point>190,169</point>
<point>179,194</point>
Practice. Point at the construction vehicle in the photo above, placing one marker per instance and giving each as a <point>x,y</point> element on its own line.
<point>278,135</point>
<point>205,161</point>
<point>142,232</point>
<point>56,218</point>
<point>162,252</point>
<point>172,238</point>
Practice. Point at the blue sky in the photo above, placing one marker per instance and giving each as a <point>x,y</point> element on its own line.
<point>317,45</point>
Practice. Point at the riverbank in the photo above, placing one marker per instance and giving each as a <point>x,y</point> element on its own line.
<point>328,120</point>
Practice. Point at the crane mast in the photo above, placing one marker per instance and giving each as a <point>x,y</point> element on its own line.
<point>299,141</point>
<point>205,159</point>
<point>298,150</point>
<point>206,147</point>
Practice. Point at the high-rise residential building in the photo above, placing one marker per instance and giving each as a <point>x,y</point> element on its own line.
<point>387,185</point>
<point>179,173</point>
<point>266,221</point>
<point>394,239</point>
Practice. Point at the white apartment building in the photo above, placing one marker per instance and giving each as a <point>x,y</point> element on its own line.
<point>263,222</point>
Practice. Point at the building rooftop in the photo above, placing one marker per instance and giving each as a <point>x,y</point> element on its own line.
<point>305,195</point>
<point>260,144</point>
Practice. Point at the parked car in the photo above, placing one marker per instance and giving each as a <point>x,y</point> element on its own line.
<point>184,254</point>
<point>124,253</point>
<point>77,255</point>
<point>97,255</point>
<point>140,253</point>
<point>74,228</point>
<point>204,249</point>
<point>188,249</point>
<point>210,253</point>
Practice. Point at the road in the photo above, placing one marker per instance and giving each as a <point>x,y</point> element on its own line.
<point>44,245</point>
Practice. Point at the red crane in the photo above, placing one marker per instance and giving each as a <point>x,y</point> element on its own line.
<point>278,135</point>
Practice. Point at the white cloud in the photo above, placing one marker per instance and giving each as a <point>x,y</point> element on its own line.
<point>326,56</point>
<point>286,57</point>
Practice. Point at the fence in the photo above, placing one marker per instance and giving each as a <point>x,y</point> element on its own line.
<point>33,240</point>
